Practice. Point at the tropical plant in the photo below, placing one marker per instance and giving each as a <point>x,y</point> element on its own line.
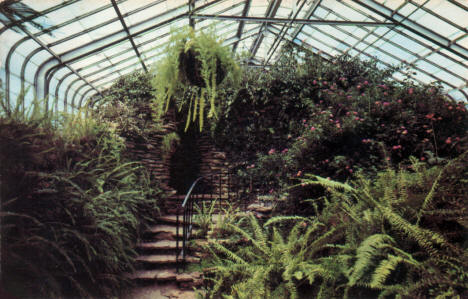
<point>196,59</point>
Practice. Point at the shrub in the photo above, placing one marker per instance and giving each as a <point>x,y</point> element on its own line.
<point>333,118</point>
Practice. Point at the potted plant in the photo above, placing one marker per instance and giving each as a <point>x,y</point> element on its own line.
<point>194,60</point>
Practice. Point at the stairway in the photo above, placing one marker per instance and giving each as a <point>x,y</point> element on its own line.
<point>156,262</point>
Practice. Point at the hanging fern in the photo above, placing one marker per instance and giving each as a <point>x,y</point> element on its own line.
<point>192,54</point>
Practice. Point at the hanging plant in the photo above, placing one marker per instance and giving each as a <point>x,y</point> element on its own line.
<point>196,60</point>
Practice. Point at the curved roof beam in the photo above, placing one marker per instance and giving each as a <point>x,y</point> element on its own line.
<point>18,23</point>
<point>55,57</point>
<point>227,42</point>
<point>55,68</point>
<point>108,41</point>
<point>70,37</point>
<point>127,59</point>
<point>40,33</point>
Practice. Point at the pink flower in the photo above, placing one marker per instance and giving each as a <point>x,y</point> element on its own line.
<point>314,82</point>
<point>284,151</point>
<point>325,82</point>
<point>410,90</point>
<point>299,173</point>
<point>423,158</point>
<point>338,125</point>
<point>271,152</point>
<point>303,121</point>
<point>312,129</point>
<point>377,103</point>
<point>399,101</point>
<point>350,171</point>
<point>349,97</point>
<point>404,132</point>
<point>271,191</point>
<point>355,112</point>
<point>430,116</point>
<point>366,82</point>
<point>348,113</point>
<point>326,161</point>
<point>356,118</point>
<point>386,104</point>
<point>448,140</point>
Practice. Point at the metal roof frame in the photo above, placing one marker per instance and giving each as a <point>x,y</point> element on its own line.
<point>274,17</point>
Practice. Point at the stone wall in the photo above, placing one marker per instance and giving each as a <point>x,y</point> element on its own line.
<point>213,161</point>
<point>149,153</point>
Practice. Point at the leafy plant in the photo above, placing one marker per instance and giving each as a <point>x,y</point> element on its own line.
<point>203,217</point>
<point>189,54</point>
<point>394,251</point>
<point>71,208</point>
<point>270,265</point>
<point>169,142</point>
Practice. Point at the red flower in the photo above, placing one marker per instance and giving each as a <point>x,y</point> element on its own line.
<point>448,140</point>
<point>410,90</point>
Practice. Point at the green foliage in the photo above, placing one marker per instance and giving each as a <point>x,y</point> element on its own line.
<point>396,249</point>
<point>169,142</point>
<point>333,118</point>
<point>269,264</point>
<point>126,107</point>
<point>401,234</point>
<point>203,217</point>
<point>189,54</point>
<point>71,207</point>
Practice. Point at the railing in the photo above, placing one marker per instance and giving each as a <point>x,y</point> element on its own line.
<point>203,188</point>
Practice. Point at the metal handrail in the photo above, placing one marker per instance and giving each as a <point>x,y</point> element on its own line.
<point>187,205</point>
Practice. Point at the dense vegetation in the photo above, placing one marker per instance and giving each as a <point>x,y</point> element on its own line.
<point>368,177</point>
<point>376,169</point>
<point>72,202</point>
<point>332,118</point>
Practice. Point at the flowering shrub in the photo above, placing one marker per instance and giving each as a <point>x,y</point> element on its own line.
<point>334,117</point>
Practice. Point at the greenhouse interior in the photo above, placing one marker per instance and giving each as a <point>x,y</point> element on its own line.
<point>233,149</point>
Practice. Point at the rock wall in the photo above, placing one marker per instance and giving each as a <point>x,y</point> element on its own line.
<point>213,161</point>
<point>149,153</point>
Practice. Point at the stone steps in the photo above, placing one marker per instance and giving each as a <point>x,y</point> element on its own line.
<point>158,245</point>
<point>164,259</point>
<point>172,219</point>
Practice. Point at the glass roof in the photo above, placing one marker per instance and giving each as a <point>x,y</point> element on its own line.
<point>70,50</point>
